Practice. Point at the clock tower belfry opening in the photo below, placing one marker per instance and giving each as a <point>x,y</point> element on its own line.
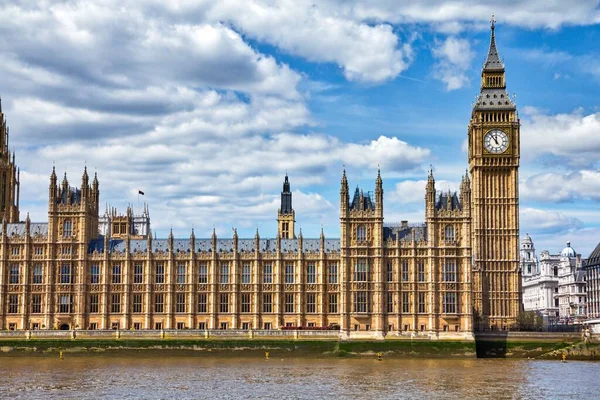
<point>493,137</point>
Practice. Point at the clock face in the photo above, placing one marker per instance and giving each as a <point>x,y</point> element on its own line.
<point>496,141</point>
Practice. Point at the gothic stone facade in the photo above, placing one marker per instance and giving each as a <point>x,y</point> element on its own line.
<point>457,271</point>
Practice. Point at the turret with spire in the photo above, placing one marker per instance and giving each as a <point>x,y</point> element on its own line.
<point>286,216</point>
<point>465,191</point>
<point>493,95</point>
<point>430,194</point>
<point>9,174</point>
<point>344,195</point>
<point>379,194</point>
<point>3,132</point>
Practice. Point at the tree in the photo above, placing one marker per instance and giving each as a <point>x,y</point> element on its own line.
<point>529,321</point>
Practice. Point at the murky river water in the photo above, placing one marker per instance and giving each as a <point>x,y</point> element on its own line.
<point>166,377</point>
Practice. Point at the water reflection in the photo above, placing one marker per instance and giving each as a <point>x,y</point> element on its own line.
<point>179,377</point>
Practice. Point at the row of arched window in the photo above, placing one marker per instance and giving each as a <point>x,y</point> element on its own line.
<point>361,233</point>
<point>493,81</point>
<point>68,228</point>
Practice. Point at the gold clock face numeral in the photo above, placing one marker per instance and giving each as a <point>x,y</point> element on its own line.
<point>496,141</point>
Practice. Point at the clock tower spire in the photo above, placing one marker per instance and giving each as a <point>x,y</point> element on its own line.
<point>493,137</point>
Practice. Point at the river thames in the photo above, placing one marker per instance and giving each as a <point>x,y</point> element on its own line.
<point>221,377</point>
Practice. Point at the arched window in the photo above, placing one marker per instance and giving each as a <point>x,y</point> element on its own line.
<point>449,233</point>
<point>361,233</point>
<point>68,228</point>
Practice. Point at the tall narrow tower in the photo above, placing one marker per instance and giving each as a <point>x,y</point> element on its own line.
<point>9,176</point>
<point>493,136</point>
<point>286,215</point>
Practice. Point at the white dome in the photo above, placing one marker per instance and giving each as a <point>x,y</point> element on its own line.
<point>526,239</point>
<point>568,251</point>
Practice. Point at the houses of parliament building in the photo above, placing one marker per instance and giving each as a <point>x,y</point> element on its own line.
<point>456,273</point>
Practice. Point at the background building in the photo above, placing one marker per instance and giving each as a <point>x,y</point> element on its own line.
<point>553,286</point>
<point>540,281</point>
<point>571,286</point>
<point>591,266</point>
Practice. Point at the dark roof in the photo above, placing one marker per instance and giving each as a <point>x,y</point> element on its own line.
<point>448,201</point>
<point>404,232</point>
<point>367,201</point>
<point>594,258</point>
<point>493,62</point>
<point>63,196</point>
<point>494,99</point>
<point>223,245</point>
<point>18,229</point>
<point>286,197</point>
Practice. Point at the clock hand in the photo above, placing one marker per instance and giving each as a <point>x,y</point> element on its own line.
<point>495,139</point>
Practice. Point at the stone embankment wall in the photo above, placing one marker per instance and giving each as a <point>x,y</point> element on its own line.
<point>230,334</point>
<point>299,343</point>
<point>544,345</point>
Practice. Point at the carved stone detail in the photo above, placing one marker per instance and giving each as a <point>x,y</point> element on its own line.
<point>450,286</point>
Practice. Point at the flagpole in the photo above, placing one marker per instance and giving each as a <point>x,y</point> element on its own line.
<point>138,200</point>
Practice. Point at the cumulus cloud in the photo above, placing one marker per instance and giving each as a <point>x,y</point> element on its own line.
<point>543,221</point>
<point>454,57</point>
<point>556,187</point>
<point>411,191</point>
<point>365,52</point>
<point>211,179</point>
<point>530,14</point>
<point>190,100</point>
<point>573,135</point>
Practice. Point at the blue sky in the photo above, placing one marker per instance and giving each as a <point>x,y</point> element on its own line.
<point>205,105</point>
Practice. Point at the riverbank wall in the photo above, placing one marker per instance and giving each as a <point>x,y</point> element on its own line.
<point>298,343</point>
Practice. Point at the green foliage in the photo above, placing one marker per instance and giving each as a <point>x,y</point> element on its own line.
<point>529,321</point>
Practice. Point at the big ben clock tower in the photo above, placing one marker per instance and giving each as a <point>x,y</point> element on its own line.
<point>494,167</point>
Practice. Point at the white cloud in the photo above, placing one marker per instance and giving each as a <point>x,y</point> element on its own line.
<point>543,221</point>
<point>125,47</point>
<point>454,57</point>
<point>391,154</point>
<point>573,135</point>
<point>556,187</point>
<point>411,191</point>
<point>365,51</point>
<point>181,99</point>
<point>222,161</point>
<point>529,14</point>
